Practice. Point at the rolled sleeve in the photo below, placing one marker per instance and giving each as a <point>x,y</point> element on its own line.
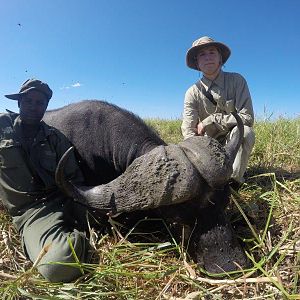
<point>244,102</point>
<point>213,125</point>
<point>190,117</point>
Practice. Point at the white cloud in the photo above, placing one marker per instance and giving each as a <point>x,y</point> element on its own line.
<point>77,84</point>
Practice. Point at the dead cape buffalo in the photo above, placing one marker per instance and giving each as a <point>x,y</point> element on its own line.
<point>128,167</point>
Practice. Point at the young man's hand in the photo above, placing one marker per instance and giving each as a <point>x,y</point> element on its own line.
<point>200,129</point>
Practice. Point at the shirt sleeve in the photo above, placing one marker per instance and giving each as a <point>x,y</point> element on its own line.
<point>242,103</point>
<point>190,117</point>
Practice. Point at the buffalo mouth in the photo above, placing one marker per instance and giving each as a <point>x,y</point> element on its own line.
<point>218,251</point>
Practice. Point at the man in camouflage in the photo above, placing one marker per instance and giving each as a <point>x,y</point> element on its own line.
<point>46,219</point>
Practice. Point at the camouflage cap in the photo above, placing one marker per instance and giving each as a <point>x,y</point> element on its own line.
<point>201,43</point>
<point>32,84</point>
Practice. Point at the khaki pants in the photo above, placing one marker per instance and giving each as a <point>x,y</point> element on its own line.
<point>48,226</point>
<point>242,157</point>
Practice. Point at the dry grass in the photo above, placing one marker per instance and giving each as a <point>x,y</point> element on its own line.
<point>265,214</point>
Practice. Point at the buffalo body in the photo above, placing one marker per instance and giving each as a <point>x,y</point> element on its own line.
<point>120,155</point>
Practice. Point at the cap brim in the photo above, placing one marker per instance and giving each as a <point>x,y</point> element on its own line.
<point>14,96</point>
<point>18,96</point>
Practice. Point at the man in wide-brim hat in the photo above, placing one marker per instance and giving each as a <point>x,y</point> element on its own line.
<point>209,102</point>
<point>207,111</point>
<point>204,42</point>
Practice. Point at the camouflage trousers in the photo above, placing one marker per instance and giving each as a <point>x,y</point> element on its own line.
<point>49,235</point>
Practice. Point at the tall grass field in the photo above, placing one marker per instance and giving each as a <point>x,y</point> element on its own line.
<point>265,214</point>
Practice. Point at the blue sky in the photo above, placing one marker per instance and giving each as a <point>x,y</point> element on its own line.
<point>132,53</point>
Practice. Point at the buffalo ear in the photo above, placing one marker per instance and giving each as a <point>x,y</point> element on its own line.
<point>209,157</point>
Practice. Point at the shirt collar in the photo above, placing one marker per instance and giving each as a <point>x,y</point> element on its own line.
<point>42,132</point>
<point>219,81</point>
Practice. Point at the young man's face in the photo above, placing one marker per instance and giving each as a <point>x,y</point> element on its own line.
<point>209,60</point>
<point>32,107</point>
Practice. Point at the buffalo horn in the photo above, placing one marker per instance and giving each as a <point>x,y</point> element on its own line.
<point>232,147</point>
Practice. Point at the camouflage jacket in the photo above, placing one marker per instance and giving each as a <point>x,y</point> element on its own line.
<point>27,174</point>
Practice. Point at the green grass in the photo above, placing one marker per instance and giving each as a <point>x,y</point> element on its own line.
<point>277,144</point>
<point>169,130</point>
<point>265,214</point>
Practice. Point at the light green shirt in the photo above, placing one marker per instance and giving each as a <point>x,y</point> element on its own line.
<point>230,91</point>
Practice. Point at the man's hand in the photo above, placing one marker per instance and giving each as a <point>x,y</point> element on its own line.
<point>200,129</point>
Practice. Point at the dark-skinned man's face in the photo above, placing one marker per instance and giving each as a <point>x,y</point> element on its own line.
<point>32,107</point>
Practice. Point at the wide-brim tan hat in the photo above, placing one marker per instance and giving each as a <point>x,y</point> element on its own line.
<point>203,42</point>
<point>32,84</point>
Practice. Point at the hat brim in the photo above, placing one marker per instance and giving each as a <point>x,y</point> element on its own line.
<point>18,96</point>
<point>191,54</point>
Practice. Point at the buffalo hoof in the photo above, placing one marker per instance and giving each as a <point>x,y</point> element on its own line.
<point>218,251</point>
